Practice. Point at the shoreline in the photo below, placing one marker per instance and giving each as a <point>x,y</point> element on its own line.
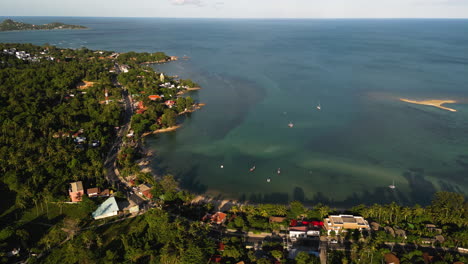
<point>162,130</point>
<point>194,108</point>
<point>435,103</point>
<point>189,90</point>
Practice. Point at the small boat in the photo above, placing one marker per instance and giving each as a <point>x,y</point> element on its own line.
<point>319,107</point>
<point>290,124</point>
<point>252,169</point>
<point>268,180</point>
<point>222,166</point>
<point>392,186</point>
<point>278,171</point>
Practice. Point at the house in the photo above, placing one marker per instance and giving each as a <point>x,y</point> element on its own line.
<point>339,223</point>
<point>390,258</point>
<point>80,139</point>
<point>105,193</point>
<point>218,218</point>
<point>124,68</point>
<point>375,226</point>
<point>145,190</point>
<point>76,191</point>
<point>170,103</point>
<point>296,232</point>
<point>107,209</point>
<point>154,97</point>
<point>141,108</point>
<point>400,233</point>
<point>93,192</point>
<point>277,219</point>
<point>215,259</point>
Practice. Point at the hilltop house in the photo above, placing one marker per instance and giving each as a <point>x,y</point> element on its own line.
<point>338,223</point>
<point>107,209</point>
<point>76,191</point>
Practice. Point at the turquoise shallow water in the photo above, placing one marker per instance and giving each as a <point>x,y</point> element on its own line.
<point>259,75</point>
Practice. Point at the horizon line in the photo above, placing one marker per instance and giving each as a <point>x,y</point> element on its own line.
<point>257,18</point>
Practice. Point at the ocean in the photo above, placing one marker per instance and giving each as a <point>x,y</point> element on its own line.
<point>258,76</point>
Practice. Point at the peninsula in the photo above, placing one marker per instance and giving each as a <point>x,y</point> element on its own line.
<point>10,25</point>
<point>436,103</point>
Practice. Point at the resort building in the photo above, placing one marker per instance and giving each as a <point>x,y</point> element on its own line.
<point>76,191</point>
<point>107,209</point>
<point>338,223</point>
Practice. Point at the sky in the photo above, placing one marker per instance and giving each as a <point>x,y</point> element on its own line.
<point>239,8</point>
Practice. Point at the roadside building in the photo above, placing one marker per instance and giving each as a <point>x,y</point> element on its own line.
<point>338,223</point>
<point>107,209</point>
<point>296,232</point>
<point>76,191</point>
<point>93,192</point>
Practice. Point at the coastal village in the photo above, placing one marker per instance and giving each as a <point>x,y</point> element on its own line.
<point>132,205</point>
<point>291,236</point>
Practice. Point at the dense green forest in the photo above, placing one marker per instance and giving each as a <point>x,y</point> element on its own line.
<point>8,25</point>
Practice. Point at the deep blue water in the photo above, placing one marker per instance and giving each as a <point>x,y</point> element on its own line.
<point>259,75</point>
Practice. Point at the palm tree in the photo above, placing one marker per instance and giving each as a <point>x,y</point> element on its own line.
<point>323,211</point>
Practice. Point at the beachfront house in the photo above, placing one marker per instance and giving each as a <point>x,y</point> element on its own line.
<point>76,191</point>
<point>107,209</point>
<point>339,223</point>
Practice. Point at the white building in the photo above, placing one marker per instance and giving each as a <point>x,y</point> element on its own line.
<point>107,209</point>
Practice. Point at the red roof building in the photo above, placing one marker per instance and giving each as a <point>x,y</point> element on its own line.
<point>93,192</point>
<point>218,218</point>
<point>154,97</point>
<point>148,194</point>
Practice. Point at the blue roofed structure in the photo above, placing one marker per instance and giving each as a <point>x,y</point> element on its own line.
<point>107,209</point>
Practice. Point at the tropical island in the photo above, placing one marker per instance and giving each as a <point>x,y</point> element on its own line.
<point>73,191</point>
<point>10,25</point>
<point>435,103</point>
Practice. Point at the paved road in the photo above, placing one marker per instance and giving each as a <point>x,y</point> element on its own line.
<point>110,162</point>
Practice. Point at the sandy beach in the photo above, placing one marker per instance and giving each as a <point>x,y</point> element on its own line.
<point>189,90</point>
<point>435,103</point>
<point>162,130</point>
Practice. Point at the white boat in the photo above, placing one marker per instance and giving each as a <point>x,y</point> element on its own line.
<point>319,107</point>
<point>268,180</point>
<point>392,186</point>
<point>290,124</point>
<point>278,171</point>
<point>252,169</point>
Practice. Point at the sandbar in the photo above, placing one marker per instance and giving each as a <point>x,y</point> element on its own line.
<point>436,103</point>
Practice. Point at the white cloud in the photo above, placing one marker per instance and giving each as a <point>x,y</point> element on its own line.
<point>187,2</point>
